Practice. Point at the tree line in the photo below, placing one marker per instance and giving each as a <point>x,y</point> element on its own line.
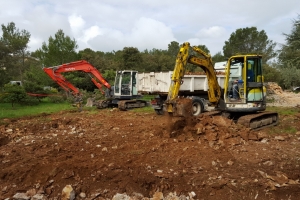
<point>18,63</point>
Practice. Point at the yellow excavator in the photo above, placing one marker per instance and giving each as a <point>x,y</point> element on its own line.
<point>242,97</point>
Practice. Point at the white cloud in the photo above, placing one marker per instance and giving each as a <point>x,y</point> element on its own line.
<point>108,25</point>
<point>91,33</point>
<point>146,33</point>
<point>76,23</point>
<point>211,32</point>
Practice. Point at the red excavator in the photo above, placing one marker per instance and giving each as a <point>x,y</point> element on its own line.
<point>55,74</point>
<point>123,95</point>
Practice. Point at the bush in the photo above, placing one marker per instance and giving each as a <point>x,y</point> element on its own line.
<point>29,101</point>
<point>13,94</point>
<point>55,96</point>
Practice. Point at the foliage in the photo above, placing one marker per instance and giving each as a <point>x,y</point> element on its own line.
<point>13,52</point>
<point>5,69</point>
<point>30,101</point>
<point>36,79</point>
<point>219,57</point>
<point>290,76</point>
<point>59,50</point>
<point>157,60</point>
<point>290,52</point>
<point>13,94</point>
<point>131,58</point>
<point>173,49</point>
<point>289,57</point>
<point>54,96</point>
<point>109,76</point>
<point>250,41</point>
<point>271,74</point>
<point>204,48</point>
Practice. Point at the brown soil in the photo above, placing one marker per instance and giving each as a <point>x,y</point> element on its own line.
<point>107,152</point>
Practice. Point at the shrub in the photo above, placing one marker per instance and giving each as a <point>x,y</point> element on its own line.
<point>13,94</point>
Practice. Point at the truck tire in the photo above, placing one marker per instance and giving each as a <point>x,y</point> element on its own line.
<point>159,111</point>
<point>198,107</point>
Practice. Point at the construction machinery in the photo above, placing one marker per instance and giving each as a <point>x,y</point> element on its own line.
<point>194,86</point>
<point>55,73</point>
<point>249,105</point>
<point>122,95</point>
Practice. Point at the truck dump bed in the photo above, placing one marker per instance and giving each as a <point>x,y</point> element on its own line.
<point>159,82</point>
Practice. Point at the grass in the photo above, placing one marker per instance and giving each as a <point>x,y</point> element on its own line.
<point>286,120</point>
<point>143,110</point>
<point>148,97</point>
<point>7,111</point>
<point>283,110</point>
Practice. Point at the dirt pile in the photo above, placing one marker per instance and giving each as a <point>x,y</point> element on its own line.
<point>277,97</point>
<point>273,88</point>
<point>217,131</point>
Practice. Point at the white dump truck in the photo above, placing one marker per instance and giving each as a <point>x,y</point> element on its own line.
<point>194,86</point>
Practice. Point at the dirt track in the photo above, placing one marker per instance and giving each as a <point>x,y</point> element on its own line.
<point>104,153</point>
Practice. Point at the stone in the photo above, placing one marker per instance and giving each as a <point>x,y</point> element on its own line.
<point>31,192</point>
<point>82,195</point>
<point>230,162</point>
<point>265,140</point>
<point>39,197</point>
<point>68,193</point>
<point>158,196</point>
<point>262,135</point>
<point>9,131</point>
<point>21,196</point>
<point>268,163</point>
<point>279,138</point>
<point>120,197</point>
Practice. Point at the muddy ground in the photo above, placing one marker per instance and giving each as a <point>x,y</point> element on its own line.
<point>105,152</point>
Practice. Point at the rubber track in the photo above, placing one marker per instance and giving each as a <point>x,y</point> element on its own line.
<point>258,117</point>
<point>122,104</point>
<point>249,118</point>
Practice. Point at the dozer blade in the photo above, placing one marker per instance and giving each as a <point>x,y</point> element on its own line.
<point>182,107</point>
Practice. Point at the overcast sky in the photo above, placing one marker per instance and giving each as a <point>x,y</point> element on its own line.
<point>107,25</point>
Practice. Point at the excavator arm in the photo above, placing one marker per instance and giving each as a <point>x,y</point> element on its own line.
<point>214,92</point>
<point>60,80</point>
<point>175,105</point>
<point>96,77</point>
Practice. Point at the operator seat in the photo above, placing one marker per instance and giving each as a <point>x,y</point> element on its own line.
<point>250,73</point>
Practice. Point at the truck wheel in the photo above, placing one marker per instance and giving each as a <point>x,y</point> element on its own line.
<point>197,107</point>
<point>159,111</point>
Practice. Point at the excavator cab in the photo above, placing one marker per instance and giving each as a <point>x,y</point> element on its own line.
<point>125,84</point>
<point>125,91</point>
<point>244,89</point>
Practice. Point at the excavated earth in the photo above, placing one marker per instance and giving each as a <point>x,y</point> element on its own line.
<point>99,154</point>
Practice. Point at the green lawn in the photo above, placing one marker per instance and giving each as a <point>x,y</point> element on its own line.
<point>7,111</point>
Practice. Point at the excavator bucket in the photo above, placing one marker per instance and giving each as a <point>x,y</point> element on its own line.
<point>182,107</point>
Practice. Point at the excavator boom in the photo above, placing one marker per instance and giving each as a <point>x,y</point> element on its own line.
<point>60,80</point>
<point>55,74</point>
<point>173,104</point>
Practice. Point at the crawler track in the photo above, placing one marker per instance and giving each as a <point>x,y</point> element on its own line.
<point>128,104</point>
<point>259,120</point>
<point>253,121</point>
